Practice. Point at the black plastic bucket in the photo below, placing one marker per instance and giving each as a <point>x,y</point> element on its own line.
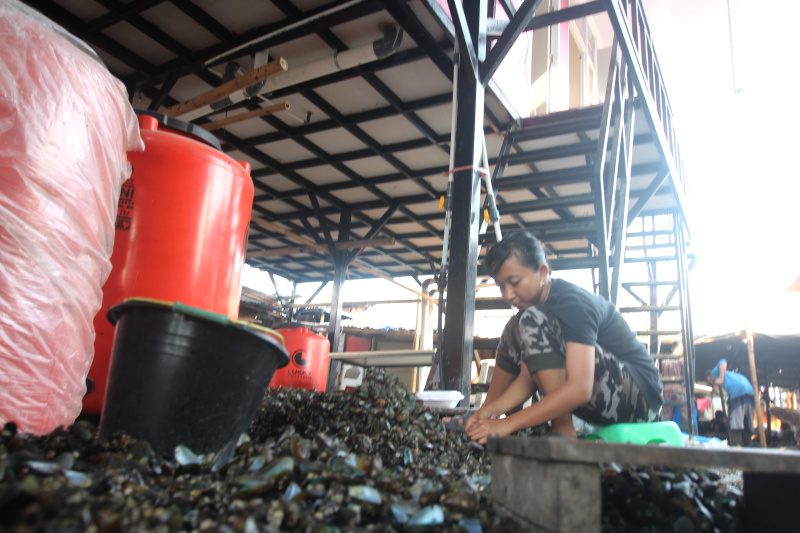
<point>185,376</point>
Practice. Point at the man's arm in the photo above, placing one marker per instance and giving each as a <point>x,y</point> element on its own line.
<point>500,381</point>
<point>515,394</point>
<point>722,368</point>
<point>576,390</point>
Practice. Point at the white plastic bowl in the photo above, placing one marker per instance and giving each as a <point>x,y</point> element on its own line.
<point>442,399</point>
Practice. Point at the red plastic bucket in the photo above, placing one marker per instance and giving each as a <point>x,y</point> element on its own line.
<point>181,231</point>
<point>309,356</point>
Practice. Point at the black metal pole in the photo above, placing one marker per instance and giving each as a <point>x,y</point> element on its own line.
<point>686,317</point>
<point>467,146</point>
<point>335,335</point>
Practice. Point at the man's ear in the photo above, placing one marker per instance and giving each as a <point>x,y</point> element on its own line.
<point>543,271</point>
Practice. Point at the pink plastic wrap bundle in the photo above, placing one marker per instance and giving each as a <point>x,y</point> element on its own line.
<point>65,127</point>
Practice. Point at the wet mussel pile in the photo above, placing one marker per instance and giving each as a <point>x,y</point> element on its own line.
<point>370,460</point>
<point>373,459</point>
<point>669,500</point>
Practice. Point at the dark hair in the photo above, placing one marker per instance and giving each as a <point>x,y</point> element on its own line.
<point>523,245</point>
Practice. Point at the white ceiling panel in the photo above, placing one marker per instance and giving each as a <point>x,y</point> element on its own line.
<point>241,15</point>
<point>145,47</point>
<point>371,166</point>
<point>439,118</point>
<point>278,183</point>
<point>285,151</point>
<point>422,158</point>
<point>416,80</point>
<point>180,26</point>
<point>323,175</point>
<point>390,130</point>
<point>352,96</point>
<point>336,141</point>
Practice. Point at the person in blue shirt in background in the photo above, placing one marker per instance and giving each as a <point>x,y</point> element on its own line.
<point>741,402</point>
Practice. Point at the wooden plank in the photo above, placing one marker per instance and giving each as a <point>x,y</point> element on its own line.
<point>235,119</point>
<point>554,484</point>
<point>757,460</point>
<point>548,494</point>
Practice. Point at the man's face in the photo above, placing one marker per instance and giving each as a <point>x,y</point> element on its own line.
<point>519,284</point>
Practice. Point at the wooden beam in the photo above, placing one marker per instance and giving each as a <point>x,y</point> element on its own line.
<point>228,88</point>
<point>269,110</point>
<point>751,358</point>
<point>348,245</point>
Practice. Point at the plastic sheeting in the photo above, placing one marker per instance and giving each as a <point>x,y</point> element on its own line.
<point>65,128</point>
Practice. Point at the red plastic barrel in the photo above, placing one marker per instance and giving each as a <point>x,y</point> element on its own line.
<point>181,231</point>
<point>309,355</point>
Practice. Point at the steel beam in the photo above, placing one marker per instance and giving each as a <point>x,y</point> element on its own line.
<point>468,102</point>
<point>469,41</point>
<point>687,330</point>
<point>648,193</point>
<point>598,180</point>
<point>619,223</point>
<point>625,39</point>
<point>500,49</point>
<point>335,334</point>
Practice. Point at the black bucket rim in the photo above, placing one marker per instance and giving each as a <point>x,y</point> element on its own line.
<point>136,304</point>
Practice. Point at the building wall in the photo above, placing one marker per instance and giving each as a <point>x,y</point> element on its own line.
<point>540,59</point>
<point>566,69</point>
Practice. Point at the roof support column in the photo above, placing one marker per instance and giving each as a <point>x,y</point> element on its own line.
<point>687,331</point>
<point>335,335</point>
<point>468,103</point>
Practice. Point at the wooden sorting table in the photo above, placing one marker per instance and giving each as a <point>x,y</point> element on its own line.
<point>554,484</point>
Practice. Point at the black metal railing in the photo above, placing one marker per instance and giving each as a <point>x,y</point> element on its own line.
<point>633,32</point>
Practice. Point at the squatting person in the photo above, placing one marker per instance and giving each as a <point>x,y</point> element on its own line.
<point>571,345</point>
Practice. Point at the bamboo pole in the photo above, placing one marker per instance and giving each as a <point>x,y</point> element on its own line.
<point>269,110</point>
<point>751,356</point>
<point>228,88</point>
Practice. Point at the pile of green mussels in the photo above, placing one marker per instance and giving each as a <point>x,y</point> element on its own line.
<point>373,459</point>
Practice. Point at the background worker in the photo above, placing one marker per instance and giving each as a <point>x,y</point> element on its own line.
<point>741,402</point>
<point>674,391</point>
<point>571,345</point>
<point>719,426</point>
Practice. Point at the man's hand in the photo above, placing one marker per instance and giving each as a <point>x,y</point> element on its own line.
<point>719,381</point>
<point>484,413</point>
<point>480,430</point>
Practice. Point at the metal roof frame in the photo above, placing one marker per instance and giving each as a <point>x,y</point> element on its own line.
<point>389,201</point>
<point>363,153</point>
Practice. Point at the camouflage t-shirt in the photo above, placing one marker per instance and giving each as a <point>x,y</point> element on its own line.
<point>528,334</point>
<point>572,314</point>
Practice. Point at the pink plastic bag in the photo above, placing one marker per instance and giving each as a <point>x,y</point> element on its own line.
<point>65,128</point>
